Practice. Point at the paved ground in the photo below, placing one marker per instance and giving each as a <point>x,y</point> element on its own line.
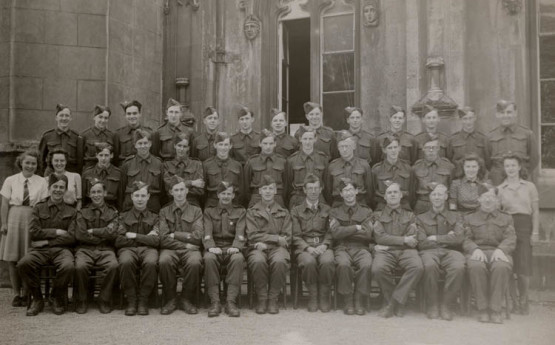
<point>296,327</point>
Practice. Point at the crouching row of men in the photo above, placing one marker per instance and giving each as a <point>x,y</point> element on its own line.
<point>328,243</point>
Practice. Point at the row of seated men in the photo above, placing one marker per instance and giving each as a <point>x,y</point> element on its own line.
<point>347,243</point>
<point>250,154</point>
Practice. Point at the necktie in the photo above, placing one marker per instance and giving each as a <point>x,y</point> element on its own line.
<point>140,224</point>
<point>26,193</point>
<point>225,222</point>
<point>223,166</point>
<point>103,174</point>
<point>309,165</point>
<point>178,223</point>
<point>440,219</point>
<point>348,169</point>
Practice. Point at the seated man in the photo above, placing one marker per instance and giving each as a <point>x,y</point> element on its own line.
<point>224,238</point>
<point>395,233</point>
<point>489,242</point>
<point>312,242</point>
<point>106,172</point>
<point>96,229</point>
<point>180,230</point>
<point>440,235</point>
<point>137,245</point>
<point>269,234</point>
<point>351,229</point>
<point>52,238</point>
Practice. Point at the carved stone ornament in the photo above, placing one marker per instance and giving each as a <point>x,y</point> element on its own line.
<point>251,27</point>
<point>193,3</point>
<point>435,96</point>
<point>371,13</point>
<point>242,5</point>
<point>512,6</point>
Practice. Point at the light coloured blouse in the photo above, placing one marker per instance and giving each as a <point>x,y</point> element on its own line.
<point>518,198</point>
<point>12,189</point>
<point>74,186</point>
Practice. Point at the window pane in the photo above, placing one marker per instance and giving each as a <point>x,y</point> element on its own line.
<point>548,147</point>
<point>338,33</point>
<point>334,106</point>
<point>547,16</point>
<point>338,72</point>
<point>548,101</point>
<point>340,6</point>
<point>547,57</point>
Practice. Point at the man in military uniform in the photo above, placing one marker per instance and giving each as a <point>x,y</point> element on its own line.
<point>269,231</point>
<point>391,169</point>
<point>440,235</point>
<point>202,146</point>
<point>95,230</point>
<point>302,163</point>
<point>395,233</point>
<point>364,141</point>
<point>98,133</point>
<point>187,168</point>
<point>312,244</point>
<point>467,140</point>
<point>351,230</point>
<point>430,122</point>
<point>180,230</point>
<point>124,144</point>
<point>286,145</point>
<point>351,167</point>
<point>52,237</point>
<point>146,168</point>
<point>164,138</point>
<point>325,136</point>
<point>63,137</point>
<point>246,142</point>
<point>224,239</point>
<point>490,240</point>
<point>222,168</point>
<point>137,242</point>
<point>432,168</point>
<point>409,146</point>
<point>510,137</point>
<point>266,163</point>
<point>106,172</point>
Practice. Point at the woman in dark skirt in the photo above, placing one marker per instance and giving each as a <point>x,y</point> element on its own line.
<point>520,199</point>
<point>20,192</point>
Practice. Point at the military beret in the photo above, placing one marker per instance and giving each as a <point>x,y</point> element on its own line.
<point>99,147</point>
<point>242,111</point>
<point>175,180</point>
<point>396,109</point>
<point>309,106</point>
<point>209,111</point>
<point>267,180</point>
<point>344,182</point>
<point>465,111</point>
<point>350,110</point>
<point>60,107</point>
<point>224,185</point>
<point>173,103</point>
<point>53,178</point>
<point>388,140</point>
<point>275,111</point>
<point>133,103</point>
<point>503,104</point>
<point>434,185</point>
<point>140,134</point>
<point>99,109</point>
<point>391,184</point>
<point>138,185</point>
<point>343,135</point>
<point>94,181</point>
<point>427,109</point>
<point>221,136</point>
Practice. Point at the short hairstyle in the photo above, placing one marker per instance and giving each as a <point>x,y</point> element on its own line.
<point>133,103</point>
<point>141,134</point>
<point>470,157</point>
<point>99,109</point>
<point>53,178</point>
<point>99,147</point>
<point>513,155</point>
<point>27,153</point>
<point>503,104</point>
<point>57,150</point>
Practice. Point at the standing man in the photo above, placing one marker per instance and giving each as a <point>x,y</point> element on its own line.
<point>224,239</point>
<point>325,136</point>
<point>432,168</point>
<point>98,133</point>
<point>409,146</point>
<point>364,141</point>
<point>351,167</point>
<point>351,230</point>
<point>246,142</point>
<point>302,163</point>
<point>124,144</point>
<point>440,235</point>
<point>510,137</point>
<point>164,138</point>
<point>202,146</point>
<point>430,123</point>
<point>312,244</point>
<point>269,231</point>
<point>106,172</point>
<point>395,233</point>
<point>96,229</point>
<point>286,144</point>
<point>52,235</point>
<point>180,230</point>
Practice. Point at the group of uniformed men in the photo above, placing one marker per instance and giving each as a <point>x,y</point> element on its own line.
<point>244,183</point>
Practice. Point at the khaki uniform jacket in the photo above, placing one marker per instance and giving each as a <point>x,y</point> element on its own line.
<point>214,233</point>
<point>129,222</point>
<point>105,229</point>
<point>392,225</point>
<point>189,169</point>
<point>123,143</point>
<point>112,179</point>
<point>325,141</point>
<point>216,170</point>
<point>163,140</point>
<point>423,137</point>
<point>310,228</point>
<point>361,174</point>
<point>439,171</point>
<point>273,165</point>
<point>462,143</point>
<point>286,145</point>
<point>91,137</point>
<point>448,230</point>
<point>343,226</point>
<point>202,146</point>
<point>149,170</point>
<point>299,164</point>
<point>70,141</point>
<point>400,173</point>
<point>517,139</point>
<point>47,217</point>
<point>409,146</point>
<point>365,145</point>
<point>489,231</point>
<point>244,146</point>
<point>188,229</point>
<point>267,226</point>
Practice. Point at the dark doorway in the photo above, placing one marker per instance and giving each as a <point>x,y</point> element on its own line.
<point>296,68</point>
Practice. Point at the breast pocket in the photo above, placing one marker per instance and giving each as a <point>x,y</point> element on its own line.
<point>382,178</point>
<point>112,185</point>
<point>443,176</point>
<point>520,144</point>
<point>126,146</point>
<point>403,180</point>
<point>166,146</point>
<point>359,179</point>
<point>363,150</point>
<point>214,178</point>
<point>53,144</point>
<point>298,175</point>
<point>257,173</point>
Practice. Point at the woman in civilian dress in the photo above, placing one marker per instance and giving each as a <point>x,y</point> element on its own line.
<point>20,192</point>
<point>520,199</point>
<point>464,191</point>
<point>57,161</point>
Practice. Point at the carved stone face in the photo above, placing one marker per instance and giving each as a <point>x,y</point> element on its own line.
<point>251,28</point>
<point>370,14</point>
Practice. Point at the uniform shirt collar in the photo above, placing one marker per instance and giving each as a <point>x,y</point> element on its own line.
<point>59,205</point>
<point>221,208</point>
<point>310,206</point>
<point>97,131</point>
<point>61,132</point>
<point>138,213</point>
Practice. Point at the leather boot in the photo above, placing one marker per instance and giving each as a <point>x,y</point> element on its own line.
<point>81,307</point>
<point>325,298</point>
<point>215,306</point>
<point>446,313</point>
<point>231,305</point>
<point>142,308</point>
<point>313,298</point>
<point>58,306</point>
<point>349,308</point>
<point>169,307</point>
<point>186,305</point>
<point>37,304</point>
<point>261,307</point>
<point>273,306</point>
<point>359,304</point>
<point>131,306</point>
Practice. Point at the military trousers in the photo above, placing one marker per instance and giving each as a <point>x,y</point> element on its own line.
<point>317,269</point>
<point>85,259</point>
<point>142,260</point>
<point>353,266</point>
<point>186,261</point>
<point>449,261</point>
<point>213,265</point>
<point>268,268</point>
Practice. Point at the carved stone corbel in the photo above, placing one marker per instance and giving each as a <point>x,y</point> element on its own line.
<point>371,13</point>
<point>512,7</point>
<point>435,96</point>
<point>252,27</point>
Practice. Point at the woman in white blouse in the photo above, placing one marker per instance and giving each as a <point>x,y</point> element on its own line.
<point>57,161</point>
<point>20,192</point>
